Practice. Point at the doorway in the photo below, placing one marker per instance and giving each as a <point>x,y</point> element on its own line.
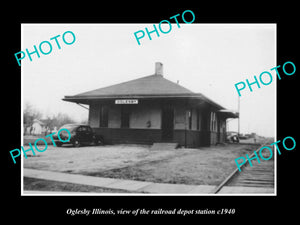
<point>167,123</point>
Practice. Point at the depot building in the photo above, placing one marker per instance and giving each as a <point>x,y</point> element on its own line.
<point>153,109</point>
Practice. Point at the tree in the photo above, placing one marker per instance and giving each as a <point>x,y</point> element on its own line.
<point>84,121</point>
<point>59,120</point>
<point>29,114</point>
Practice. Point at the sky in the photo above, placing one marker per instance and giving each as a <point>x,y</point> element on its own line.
<point>205,58</point>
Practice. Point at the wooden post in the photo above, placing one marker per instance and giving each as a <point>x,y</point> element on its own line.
<point>239,117</point>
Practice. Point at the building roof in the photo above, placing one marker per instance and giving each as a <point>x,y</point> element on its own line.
<point>149,85</point>
<point>39,122</point>
<point>153,86</point>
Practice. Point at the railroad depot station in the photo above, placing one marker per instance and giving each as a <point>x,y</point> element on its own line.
<point>153,109</point>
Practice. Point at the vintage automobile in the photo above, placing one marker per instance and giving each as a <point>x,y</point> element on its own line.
<point>232,137</point>
<point>81,134</point>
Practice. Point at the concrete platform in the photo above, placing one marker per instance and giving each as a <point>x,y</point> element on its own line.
<point>137,186</point>
<point>119,184</point>
<point>162,188</point>
<point>202,189</point>
<point>128,185</point>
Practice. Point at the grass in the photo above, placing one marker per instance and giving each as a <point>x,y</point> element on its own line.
<point>207,166</point>
<point>46,185</point>
<point>32,138</point>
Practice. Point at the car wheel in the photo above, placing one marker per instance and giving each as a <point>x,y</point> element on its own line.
<point>58,144</point>
<point>98,141</point>
<point>76,143</point>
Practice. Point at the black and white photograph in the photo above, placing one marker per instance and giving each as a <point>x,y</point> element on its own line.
<point>149,111</point>
<point>107,111</point>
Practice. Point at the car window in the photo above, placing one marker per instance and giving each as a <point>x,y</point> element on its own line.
<point>81,129</point>
<point>89,129</point>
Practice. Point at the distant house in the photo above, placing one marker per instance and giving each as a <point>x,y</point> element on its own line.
<point>153,109</point>
<point>37,127</point>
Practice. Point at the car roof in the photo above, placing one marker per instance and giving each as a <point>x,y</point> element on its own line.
<point>75,125</point>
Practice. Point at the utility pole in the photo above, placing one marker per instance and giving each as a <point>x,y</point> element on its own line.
<point>239,116</point>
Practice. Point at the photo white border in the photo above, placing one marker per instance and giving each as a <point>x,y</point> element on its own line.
<point>30,193</point>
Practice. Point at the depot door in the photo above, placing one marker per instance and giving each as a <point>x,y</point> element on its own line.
<point>167,123</point>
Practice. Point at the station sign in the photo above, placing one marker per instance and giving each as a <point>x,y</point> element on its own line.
<point>126,101</point>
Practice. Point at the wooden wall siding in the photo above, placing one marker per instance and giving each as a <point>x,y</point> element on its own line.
<point>149,111</point>
<point>129,135</point>
<point>142,115</point>
<point>194,119</point>
<point>149,136</point>
<point>114,117</point>
<point>213,138</point>
<point>139,132</point>
<point>191,138</point>
<point>94,115</point>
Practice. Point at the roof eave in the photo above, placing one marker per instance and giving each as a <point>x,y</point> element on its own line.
<point>104,97</point>
<point>228,113</point>
<point>87,99</point>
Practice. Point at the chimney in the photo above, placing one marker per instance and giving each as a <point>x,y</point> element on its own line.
<point>158,68</point>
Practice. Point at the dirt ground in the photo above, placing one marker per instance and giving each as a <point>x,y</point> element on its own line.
<point>209,165</point>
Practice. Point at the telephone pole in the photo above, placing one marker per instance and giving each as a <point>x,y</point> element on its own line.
<point>239,116</point>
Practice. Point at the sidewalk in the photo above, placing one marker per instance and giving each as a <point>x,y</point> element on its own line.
<point>128,185</point>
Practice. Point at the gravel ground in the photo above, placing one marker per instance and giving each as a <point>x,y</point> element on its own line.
<point>93,158</point>
<point>208,165</point>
